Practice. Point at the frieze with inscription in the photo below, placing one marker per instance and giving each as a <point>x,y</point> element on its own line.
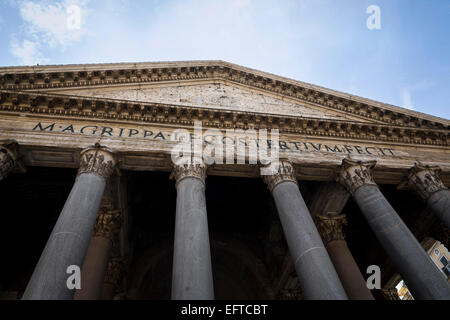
<point>161,135</point>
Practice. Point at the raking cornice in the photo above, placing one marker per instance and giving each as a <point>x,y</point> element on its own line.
<point>45,78</point>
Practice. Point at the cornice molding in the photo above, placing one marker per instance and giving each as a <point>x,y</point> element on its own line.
<point>55,77</point>
<point>171,114</point>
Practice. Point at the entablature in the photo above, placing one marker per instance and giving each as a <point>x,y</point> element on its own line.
<point>32,103</point>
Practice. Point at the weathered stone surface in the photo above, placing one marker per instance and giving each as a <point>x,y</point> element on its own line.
<point>57,78</point>
<point>7,160</point>
<point>355,174</point>
<point>61,149</point>
<point>285,172</point>
<point>425,180</point>
<point>213,95</point>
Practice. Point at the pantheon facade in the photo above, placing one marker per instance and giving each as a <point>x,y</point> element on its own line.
<point>95,207</point>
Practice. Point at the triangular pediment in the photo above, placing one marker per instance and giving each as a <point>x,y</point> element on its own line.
<point>214,95</point>
<point>211,84</point>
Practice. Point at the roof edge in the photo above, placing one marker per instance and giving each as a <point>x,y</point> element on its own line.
<point>191,63</point>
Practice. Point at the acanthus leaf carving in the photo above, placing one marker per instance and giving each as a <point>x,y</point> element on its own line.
<point>192,167</point>
<point>285,171</point>
<point>7,162</point>
<point>98,160</point>
<point>425,180</point>
<point>355,174</point>
<point>330,227</point>
<point>108,222</point>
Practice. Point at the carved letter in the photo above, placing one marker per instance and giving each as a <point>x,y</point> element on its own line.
<point>39,125</point>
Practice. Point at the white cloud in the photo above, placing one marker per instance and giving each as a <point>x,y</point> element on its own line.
<point>406,99</point>
<point>27,52</point>
<point>47,21</point>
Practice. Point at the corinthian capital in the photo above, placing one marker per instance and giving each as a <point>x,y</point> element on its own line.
<point>355,174</point>
<point>97,159</point>
<point>283,171</point>
<point>425,180</point>
<point>330,227</point>
<point>189,168</point>
<point>108,222</point>
<point>7,159</point>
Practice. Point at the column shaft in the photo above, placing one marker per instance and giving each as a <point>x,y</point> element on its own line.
<point>70,237</point>
<point>98,254</point>
<point>94,269</point>
<point>108,291</point>
<point>331,231</point>
<point>422,277</point>
<point>192,270</point>
<point>348,271</point>
<point>439,202</point>
<point>314,268</point>
<point>68,241</point>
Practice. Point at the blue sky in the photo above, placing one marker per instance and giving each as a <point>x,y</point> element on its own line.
<point>323,42</point>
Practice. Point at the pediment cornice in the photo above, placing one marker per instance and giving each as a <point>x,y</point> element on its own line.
<point>38,103</point>
<point>47,78</point>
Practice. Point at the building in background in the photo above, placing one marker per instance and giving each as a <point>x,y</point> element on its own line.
<point>440,256</point>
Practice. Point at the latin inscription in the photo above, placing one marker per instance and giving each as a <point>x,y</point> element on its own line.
<point>284,145</point>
